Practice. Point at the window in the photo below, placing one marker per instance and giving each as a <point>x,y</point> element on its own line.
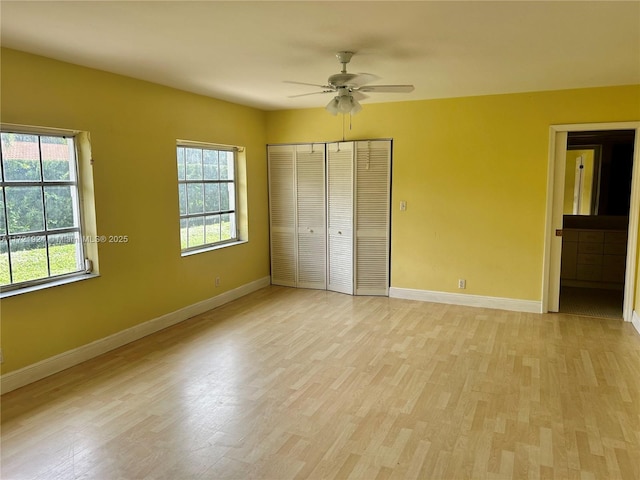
<point>40,225</point>
<point>207,196</point>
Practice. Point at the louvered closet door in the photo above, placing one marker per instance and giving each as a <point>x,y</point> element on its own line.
<point>282,203</point>
<point>340,217</point>
<point>373,164</point>
<point>311,216</point>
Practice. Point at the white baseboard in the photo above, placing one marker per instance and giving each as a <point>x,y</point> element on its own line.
<point>531,306</point>
<point>37,371</point>
<point>635,320</point>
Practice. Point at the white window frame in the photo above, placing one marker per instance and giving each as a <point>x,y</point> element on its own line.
<point>236,233</point>
<point>83,251</point>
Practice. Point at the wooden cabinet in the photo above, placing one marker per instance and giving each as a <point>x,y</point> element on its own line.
<point>593,257</point>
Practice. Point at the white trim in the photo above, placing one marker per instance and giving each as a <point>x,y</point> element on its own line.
<point>634,213</point>
<point>35,130</point>
<point>70,358</point>
<point>635,320</point>
<point>512,304</point>
<point>631,268</point>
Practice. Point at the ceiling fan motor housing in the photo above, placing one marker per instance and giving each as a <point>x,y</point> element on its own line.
<point>343,80</point>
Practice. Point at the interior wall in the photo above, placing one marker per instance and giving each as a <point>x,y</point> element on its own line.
<point>473,172</point>
<point>133,126</point>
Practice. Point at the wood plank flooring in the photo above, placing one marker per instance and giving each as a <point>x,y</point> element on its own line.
<point>302,384</point>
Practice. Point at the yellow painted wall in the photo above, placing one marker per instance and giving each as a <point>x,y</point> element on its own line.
<point>473,172</point>
<point>134,126</point>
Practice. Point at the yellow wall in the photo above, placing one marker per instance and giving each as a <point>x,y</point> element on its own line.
<point>474,174</point>
<point>134,126</point>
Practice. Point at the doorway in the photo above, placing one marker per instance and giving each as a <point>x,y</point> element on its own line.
<point>595,226</point>
<point>592,219</point>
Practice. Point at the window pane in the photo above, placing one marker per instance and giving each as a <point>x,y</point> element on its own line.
<point>212,197</point>
<point>25,205</point>
<point>63,257</point>
<point>195,203</point>
<point>5,278</point>
<point>182,197</point>
<point>212,225</point>
<point>180,163</point>
<point>193,158</point>
<point>231,190</point>
<point>28,258</point>
<point>226,165</point>
<point>3,225</point>
<point>233,226</point>
<point>21,157</point>
<point>184,234</point>
<point>224,197</point>
<point>196,231</point>
<point>59,207</point>
<point>210,158</point>
<point>57,155</point>
<point>228,226</point>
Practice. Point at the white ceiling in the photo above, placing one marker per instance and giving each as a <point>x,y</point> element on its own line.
<point>243,51</point>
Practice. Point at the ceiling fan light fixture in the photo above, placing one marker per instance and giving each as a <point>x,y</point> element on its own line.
<point>332,106</point>
<point>356,106</point>
<point>345,103</point>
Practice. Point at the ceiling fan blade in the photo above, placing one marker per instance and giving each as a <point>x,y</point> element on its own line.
<point>363,78</point>
<point>387,88</point>
<point>312,93</point>
<point>308,84</point>
<point>358,95</point>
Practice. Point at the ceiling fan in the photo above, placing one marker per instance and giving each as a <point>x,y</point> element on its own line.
<point>350,87</point>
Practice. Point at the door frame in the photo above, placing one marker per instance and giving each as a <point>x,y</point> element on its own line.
<point>553,220</point>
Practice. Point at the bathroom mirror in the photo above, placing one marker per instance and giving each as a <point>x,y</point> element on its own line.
<point>582,181</point>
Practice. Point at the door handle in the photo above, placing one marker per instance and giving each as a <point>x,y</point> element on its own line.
<point>558,232</point>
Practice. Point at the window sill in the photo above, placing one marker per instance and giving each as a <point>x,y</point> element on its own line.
<point>212,247</point>
<point>43,286</point>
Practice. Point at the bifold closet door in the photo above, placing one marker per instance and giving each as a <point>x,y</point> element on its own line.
<point>372,215</point>
<point>297,208</point>
<point>282,214</point>
<point>340,217</point>
<point>329,213</point>
<point>311,216</point>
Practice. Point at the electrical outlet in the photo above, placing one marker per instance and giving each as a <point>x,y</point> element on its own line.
<point>217,281</point>
<point>462,283</point>
<point>403,205</point>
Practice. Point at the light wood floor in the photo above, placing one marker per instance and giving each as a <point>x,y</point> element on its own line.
<point>295,384</point>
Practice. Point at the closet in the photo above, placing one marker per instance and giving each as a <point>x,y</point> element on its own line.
<point>329,216</point>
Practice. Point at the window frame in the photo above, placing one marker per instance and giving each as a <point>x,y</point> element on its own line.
<point>82,250</point>
<point>236,238</point>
